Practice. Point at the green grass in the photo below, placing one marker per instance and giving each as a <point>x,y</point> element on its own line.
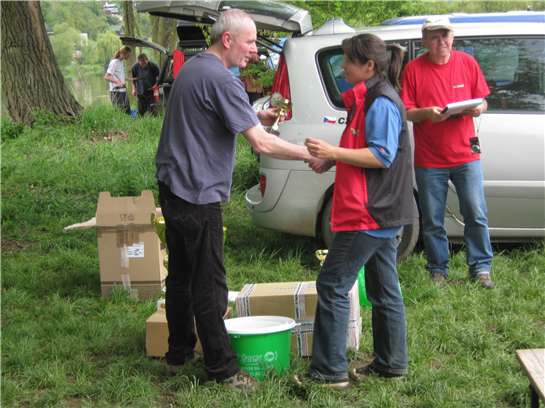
<point>64,345</point>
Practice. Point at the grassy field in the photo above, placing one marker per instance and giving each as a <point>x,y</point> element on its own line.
<point>64,345</point>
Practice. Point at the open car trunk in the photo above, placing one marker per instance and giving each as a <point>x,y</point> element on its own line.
<point>267,15</point>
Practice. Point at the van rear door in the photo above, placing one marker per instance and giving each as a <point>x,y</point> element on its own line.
<point>267,15</point>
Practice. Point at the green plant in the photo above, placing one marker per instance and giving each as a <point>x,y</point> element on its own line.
<point>9,129</point>
<point>259,72</point>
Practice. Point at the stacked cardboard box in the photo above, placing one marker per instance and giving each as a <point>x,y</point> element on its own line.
<point>297,300</point>
<point>129,249</point>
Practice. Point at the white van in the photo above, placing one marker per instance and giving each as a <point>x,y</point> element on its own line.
<point>510,48</point>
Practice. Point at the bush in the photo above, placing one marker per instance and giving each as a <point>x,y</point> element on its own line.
<point>10,130</point>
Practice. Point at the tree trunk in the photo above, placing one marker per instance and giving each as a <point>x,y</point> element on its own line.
<point>31,78</point>
<point>130,27</point>
<point>164,32</point>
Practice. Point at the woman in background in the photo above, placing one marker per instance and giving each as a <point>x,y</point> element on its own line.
<point>115,75</point>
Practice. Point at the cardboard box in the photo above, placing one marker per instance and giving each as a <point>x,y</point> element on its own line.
<point>297,300</point>
<point>129,249</point>
<point>157,332</point>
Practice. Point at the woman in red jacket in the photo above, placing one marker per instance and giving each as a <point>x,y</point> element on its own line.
<point>372,200</point>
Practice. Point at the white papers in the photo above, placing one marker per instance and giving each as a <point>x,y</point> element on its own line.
<point>458,107</point>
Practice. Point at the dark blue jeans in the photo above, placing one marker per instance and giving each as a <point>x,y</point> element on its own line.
<point>432,196</point>
<point>348,252</point>
<point>196,284</point>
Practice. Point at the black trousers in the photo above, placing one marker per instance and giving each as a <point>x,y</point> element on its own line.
<point>146,103</point>
<point>120,100</point>
<point>196,287</point>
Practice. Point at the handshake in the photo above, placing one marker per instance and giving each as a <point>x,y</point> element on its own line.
<point>323,155</point>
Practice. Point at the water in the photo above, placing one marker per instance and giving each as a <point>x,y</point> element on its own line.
<point>93,89</point>
<point>90,90</point>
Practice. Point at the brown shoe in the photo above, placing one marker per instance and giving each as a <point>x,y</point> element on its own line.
<point>177,368</point>
<point>241,382</point>
<point>360,373</point>
<point>438,278</point>
<point>485,281</point>
<point>303,381</point>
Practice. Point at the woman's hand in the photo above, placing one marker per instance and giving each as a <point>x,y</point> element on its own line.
<point>321,149</point>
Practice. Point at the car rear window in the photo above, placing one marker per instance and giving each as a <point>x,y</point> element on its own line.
<point>330,62</point>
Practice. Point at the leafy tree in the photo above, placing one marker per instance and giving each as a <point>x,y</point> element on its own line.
<point>65,41</point>
<point>372,12</point>
<point>107,44</point>
<point>85,16</point>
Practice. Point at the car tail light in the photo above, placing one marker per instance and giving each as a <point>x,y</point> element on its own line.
<point>262,184</point>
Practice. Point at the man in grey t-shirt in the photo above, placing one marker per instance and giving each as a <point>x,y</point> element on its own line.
<point>207,107</point>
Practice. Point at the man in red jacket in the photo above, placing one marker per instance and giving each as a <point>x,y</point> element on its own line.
<point>447,148</point>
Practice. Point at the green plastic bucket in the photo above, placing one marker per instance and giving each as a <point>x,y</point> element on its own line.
<point>364,302</point>
<point>261,343</point>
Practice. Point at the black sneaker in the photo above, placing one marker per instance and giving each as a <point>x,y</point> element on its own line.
<point>361,372</point>
<point>304,380</point>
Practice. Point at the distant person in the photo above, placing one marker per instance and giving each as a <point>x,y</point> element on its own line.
<point>447,148</point>
<point>115,75</point>
<point>144,77</point>
<point>207,108</point>
<point>178,61</point>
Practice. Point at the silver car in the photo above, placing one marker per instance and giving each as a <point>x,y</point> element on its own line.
<point>510,48</point>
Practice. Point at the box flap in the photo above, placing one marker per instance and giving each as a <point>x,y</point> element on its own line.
<point>123,211</point>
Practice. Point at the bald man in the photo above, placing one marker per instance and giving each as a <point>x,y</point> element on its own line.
<point>207,108</point>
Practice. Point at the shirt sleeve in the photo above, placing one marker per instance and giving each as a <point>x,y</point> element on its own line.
<point>111,67</point>
<point>234,107</point>
<point>407,88</point>
<point>382,128</point>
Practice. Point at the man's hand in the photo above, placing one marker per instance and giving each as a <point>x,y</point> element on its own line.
<point>267,117</point>
<point>320,165</point>
<point>320,149</point>
<point>436,115</point>
<point>477,111</point>
<point>133,92</point>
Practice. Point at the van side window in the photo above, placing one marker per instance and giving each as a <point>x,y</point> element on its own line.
<point>330,62</point>
<point>514,69</point>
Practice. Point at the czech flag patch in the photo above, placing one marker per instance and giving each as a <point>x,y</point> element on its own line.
<point>330,119</point>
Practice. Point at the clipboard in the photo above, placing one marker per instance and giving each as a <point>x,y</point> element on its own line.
<point>458,107</point>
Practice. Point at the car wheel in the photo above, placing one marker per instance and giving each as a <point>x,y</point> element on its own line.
<point>406,240</point>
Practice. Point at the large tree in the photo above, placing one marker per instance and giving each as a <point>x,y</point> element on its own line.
<point>31,78</point>
<point>130,26</point>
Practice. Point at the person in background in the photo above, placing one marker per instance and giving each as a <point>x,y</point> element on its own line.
<point>144,78</point>
<point>447,148</point>
<point>195,157</point>
<point>372,199</point>
<point>115,75</point>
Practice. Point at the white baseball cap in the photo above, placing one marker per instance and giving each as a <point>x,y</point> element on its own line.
<point>437,23</point>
